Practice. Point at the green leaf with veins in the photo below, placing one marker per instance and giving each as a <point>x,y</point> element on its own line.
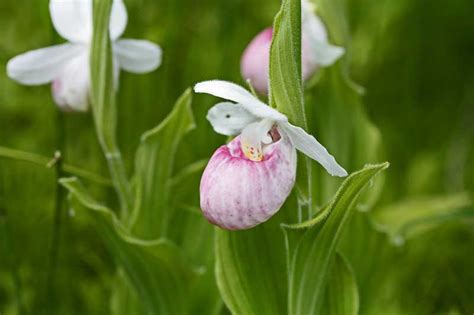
<point>409,218</point>
<point>286,89</point>
<point>154,164</point>
<point>311,245</point>
<point>157,270</point>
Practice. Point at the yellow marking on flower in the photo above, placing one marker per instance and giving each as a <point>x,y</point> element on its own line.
<point>251,152</point>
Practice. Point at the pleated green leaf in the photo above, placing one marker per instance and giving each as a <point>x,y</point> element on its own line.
<point>286,87</point>
<point>342,295</point>
<point>341,124</point>
<point>153,170</point>
<point>312,245</point>
<point>337,117</point>
<point>286,91</point>
<point>251,269</point>
<point>194,236</point>
<point>408,218</point>
<point>124,301</point>
<point>157,270</point>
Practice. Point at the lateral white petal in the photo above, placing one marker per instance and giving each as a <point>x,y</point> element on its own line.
<point>72,19</point>
<point>229,119</point>
<point>137,56</point>
<point>308,145</point>
<point>43,65</point>
<point>233,92</point>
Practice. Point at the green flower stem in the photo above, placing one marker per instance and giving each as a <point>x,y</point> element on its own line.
<point>103,101</point>
<point>309,196</point>
<point>45,162</point>
<point>120,180</point>
<point>58,207</point>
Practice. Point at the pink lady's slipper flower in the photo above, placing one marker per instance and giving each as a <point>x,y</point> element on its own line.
<point>316,50</point>
<point>67,65</point>
<point>247,181</point>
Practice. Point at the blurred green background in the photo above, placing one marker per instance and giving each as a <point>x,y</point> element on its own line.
<point>413,57</point>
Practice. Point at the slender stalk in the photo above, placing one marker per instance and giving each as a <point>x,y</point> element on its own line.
<point>58,205</point>
<point>43,161</point>
<point>252,89</point>
<point>310,188</point>
<point>120,181</point>
<point>103,89</point>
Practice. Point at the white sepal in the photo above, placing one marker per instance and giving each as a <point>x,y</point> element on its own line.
<point>229,118</point>
<point>235,93</point>
<point>308,145</point>
<point>42,65</point>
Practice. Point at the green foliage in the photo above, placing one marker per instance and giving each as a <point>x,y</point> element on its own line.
<point>342,295</point>
<point>408,218</point>
<point>156,269</point>
<point>153,169</point>
<point>103,97</point>
<point>286,92</point>
<point>158,255</point>
<point>334,105</point>
<point>103,101</point>
<point>250,268</point>
<point>286,87</point>
<point>311,249</point>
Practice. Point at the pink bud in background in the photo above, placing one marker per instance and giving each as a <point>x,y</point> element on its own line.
<point>238,193</point>
<point>316,51</point>
<point>255,61</point>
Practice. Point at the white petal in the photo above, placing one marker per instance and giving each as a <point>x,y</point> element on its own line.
<point>316,37</point>
<point>311,147</point>
<point>118,19</point>
<point>137,56</point>
<point>326,54</point>
<point>229,119</point>
<point>72,19</point>
<point>71,88</point>
<point>312,24</point>
<point>42,65</point>
<point>307,6</point>
<point>236,93</point>
<point>253,137</point>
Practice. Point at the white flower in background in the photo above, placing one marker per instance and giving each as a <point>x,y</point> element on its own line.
<point>247,181</point>
<point>66,66</point>
<point>316,51</point>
